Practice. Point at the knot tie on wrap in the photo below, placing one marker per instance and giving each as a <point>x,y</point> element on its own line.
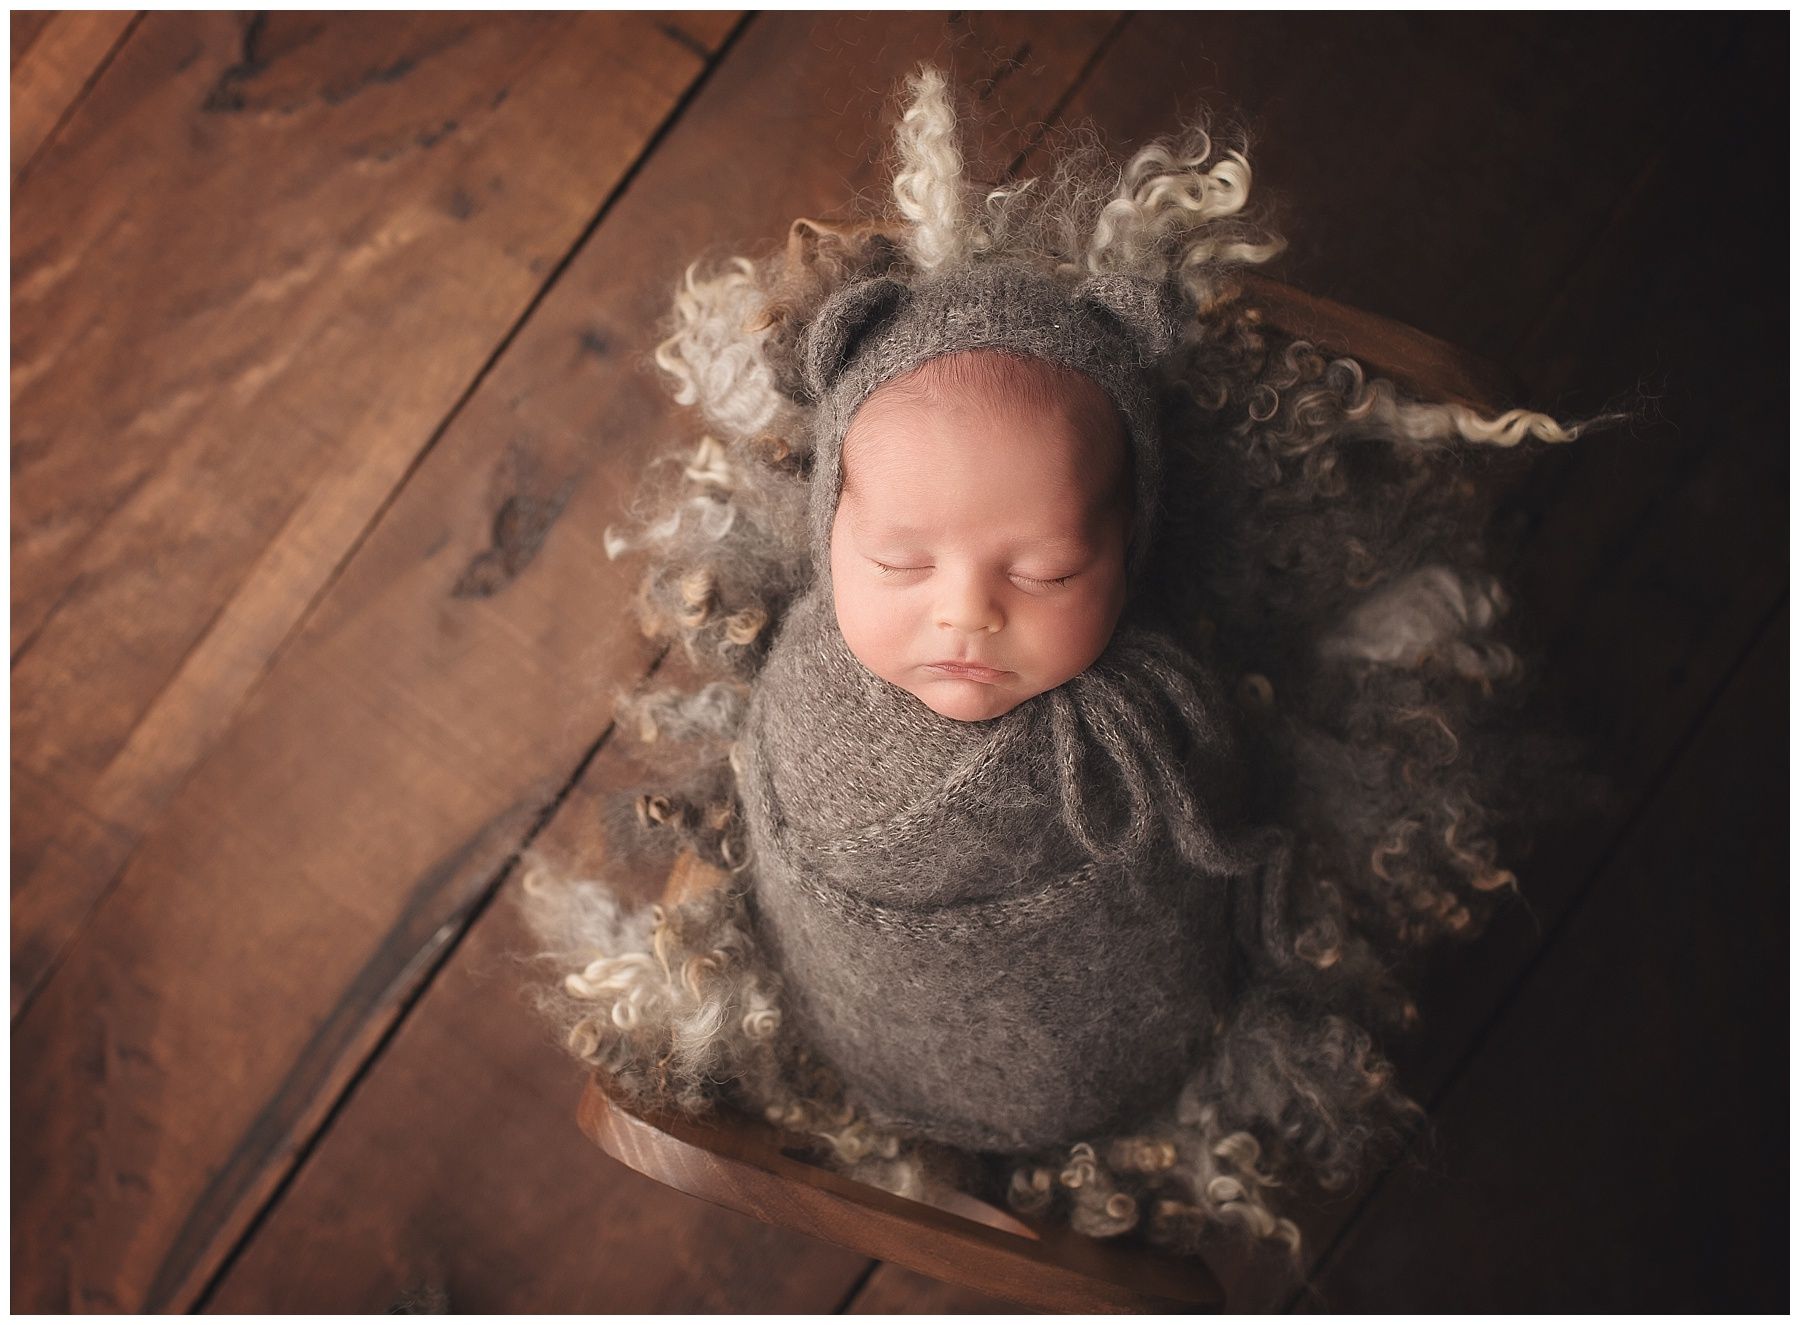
<point>1116,700</point>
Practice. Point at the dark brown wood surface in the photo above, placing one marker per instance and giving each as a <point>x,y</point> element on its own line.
<point>1636,1059</point>
<point>261,267</point>
<point>369,722</point>
<point>329,370</point>
<point>54,57</point>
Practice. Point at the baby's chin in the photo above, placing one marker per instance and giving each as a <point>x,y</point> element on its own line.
<point>966,701</point>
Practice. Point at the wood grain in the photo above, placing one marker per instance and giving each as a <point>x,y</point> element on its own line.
<point>327,226</point>
<point>894,1290</point>
<point>383,1205</point>
<point>728,168</point>
<point>277,914</point>
<point>54,55</point>
<point>457,1164</point>
<point>27,25</point>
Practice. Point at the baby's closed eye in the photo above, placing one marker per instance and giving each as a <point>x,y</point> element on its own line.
<point>887,570</point>
<point>1049,582</point>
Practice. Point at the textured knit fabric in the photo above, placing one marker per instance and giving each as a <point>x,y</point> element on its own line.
<point>1109,327</point>
<point>1003,934</point>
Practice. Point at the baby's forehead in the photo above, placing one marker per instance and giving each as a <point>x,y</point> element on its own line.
<point>1051,489</point>
<point>996,385</point>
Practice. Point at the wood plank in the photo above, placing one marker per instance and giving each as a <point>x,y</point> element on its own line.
<point>193,461</point>
<point>370,788</point>
<point>1647,559</point>
<point>54,55</point>
<point>1642,1070</point>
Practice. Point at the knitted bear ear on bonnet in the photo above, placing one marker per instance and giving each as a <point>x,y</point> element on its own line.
<point>1148,313</point>
<point>843,323</point>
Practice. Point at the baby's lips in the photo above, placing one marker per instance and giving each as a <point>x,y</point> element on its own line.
<point>981,674</point>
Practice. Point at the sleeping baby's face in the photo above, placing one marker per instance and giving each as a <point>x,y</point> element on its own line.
<point>978,550</point>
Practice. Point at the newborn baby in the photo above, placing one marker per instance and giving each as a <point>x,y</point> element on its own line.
<point>981,803</point>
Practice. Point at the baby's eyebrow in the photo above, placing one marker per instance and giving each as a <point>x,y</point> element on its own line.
<point>864,523</point>
<point>1054,543</point>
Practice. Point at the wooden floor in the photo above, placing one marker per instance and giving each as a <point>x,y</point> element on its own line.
<point>330,343</point>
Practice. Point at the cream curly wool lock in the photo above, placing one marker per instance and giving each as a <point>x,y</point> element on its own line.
<point>1140,939</point>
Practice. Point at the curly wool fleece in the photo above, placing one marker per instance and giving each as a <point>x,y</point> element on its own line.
<point>1049,883</point>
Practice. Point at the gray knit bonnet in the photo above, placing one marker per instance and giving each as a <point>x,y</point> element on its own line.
<point>1111,327</point>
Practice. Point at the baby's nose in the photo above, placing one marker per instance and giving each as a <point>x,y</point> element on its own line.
<point>971,610</point>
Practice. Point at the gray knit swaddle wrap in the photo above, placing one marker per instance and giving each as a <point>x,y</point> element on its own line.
<point>1004,934</point>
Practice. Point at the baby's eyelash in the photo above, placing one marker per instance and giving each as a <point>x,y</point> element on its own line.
<point>883,569</point>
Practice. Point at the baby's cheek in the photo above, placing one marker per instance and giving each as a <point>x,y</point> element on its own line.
<point>869,626</point>
<point>1089,628</point>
